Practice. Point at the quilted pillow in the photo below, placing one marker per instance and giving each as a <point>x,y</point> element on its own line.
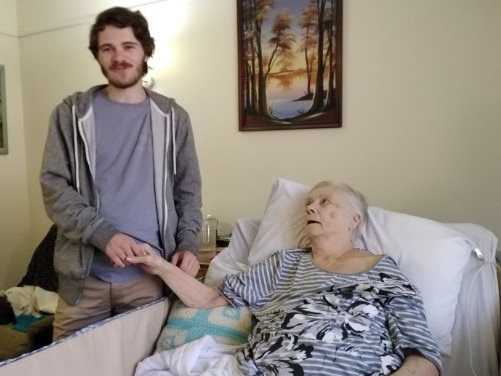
<point>227,325</point>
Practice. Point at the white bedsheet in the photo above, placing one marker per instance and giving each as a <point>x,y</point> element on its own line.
<point>31,300</point>
<point>203,357</point>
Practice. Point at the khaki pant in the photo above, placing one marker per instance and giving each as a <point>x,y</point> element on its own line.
<point>101,300</point>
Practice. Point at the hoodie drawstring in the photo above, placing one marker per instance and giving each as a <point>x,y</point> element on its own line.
<point>174,150</point>
<point>75,148</point>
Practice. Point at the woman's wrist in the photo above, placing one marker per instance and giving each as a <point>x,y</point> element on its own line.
<point>165,269</point>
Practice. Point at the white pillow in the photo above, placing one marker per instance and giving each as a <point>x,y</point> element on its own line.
<point>283,223</point>
<point>430,253</point>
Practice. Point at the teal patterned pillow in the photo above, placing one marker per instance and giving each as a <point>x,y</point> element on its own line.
<point>227,325</point>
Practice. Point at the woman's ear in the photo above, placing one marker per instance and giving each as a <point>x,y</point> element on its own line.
<point>356,219</point>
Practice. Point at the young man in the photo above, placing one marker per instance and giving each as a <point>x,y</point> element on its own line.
<point>119,169</point>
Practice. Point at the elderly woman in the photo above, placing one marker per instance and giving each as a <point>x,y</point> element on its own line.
<point>332,309</point>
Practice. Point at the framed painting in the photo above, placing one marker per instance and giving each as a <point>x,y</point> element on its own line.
<point>289,64</point>
<point>3,113</point>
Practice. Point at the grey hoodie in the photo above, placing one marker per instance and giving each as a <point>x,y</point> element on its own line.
<point>70,196</point>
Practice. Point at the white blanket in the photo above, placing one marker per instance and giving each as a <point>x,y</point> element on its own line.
<point>203,357</point>
<point>31,300</point>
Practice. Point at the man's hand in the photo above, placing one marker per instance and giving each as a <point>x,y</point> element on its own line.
<point>120,247</point>
<point>153,263</point>
<point>187,261</point>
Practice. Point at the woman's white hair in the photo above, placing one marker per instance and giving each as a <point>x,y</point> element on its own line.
<point>357,200</point>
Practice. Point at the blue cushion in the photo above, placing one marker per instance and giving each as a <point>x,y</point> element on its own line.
<point>227,325</point>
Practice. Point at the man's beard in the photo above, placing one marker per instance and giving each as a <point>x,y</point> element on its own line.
<point>123,82</point>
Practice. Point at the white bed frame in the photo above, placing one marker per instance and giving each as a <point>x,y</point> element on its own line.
<point>111,348</point>
<point>476,332</point>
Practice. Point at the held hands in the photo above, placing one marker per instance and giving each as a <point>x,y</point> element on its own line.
<point>120,247</point>
<point>149,260</point>
<point>153,263</point>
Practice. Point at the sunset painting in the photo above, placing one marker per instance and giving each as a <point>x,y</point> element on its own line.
<point>289,64</point>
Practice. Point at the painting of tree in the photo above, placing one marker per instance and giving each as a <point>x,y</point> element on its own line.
<point>289,64</point>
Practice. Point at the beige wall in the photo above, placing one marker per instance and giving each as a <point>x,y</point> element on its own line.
<point>14,208</point>
<point>421,114</point>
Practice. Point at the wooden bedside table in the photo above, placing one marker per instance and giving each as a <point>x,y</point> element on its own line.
<point>205,261</point>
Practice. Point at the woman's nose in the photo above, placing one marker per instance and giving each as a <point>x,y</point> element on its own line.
<point>310,209</point>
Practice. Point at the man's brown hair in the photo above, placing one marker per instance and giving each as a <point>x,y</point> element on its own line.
<point>122,17</point>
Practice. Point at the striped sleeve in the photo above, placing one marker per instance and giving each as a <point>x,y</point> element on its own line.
<point>253,286</point>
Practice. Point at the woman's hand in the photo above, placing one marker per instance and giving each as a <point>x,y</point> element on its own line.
<point>149,260</point>
<point>416,364</point>
<point>191,291</point>
<point>153,263</point>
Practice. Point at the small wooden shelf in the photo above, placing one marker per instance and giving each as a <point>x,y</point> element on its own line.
<point>205,260</point>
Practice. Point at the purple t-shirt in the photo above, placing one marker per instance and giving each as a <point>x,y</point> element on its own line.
<point>124,178</point>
